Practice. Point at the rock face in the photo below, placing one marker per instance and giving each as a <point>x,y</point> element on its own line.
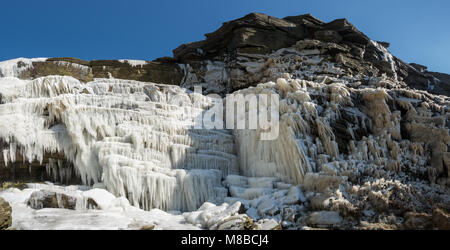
<point>85,71</point>
<point>440,83</point>
<point>5,214</point>
<point>363,137</point>
<point>160,72</point>
<point>255,34</point>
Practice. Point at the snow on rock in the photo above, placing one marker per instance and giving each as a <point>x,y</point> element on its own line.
<point>13,67</point>
<point>133,63</point>
<point>103,199</point>
<point>325,219</point>
<point>269,224</point>
<point>112,213</point>
<point>48,199</point>
<point>211,216</point>
<point>294,196</point>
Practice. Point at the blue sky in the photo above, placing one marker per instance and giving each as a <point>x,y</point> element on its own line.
<point>136,29</point>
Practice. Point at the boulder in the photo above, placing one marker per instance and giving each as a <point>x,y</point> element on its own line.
<point>268,206</point>
<point>294,196</point>
<point>5,214</point>
<point>417,221</point>
<point>268,224</point>
<point>49,199</point>
<point>324,219</point>
<point>237,222</point>
<point>148,227</point>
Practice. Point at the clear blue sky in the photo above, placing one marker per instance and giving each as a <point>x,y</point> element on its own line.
<point>136,29</point>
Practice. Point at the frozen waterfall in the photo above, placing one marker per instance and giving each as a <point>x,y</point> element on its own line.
<point>135,137</point>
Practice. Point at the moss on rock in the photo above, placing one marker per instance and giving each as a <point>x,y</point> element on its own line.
<point>69,59</point>
<point>61,67</point>
<point>7,184</point>
<point>5,214</point>
<point>158,72</point>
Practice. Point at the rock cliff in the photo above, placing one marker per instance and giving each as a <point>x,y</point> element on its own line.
<point>363,139</point>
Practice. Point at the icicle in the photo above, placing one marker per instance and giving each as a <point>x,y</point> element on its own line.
<point>328,139</point>
<point>136,137</point>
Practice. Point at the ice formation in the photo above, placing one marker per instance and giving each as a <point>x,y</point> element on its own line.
<point>135,137</point>
<point>357,148</point>
<point>111,212</point>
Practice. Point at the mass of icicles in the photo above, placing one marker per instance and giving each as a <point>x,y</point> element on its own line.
<point>135,137</point>
<point>293,154</point>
